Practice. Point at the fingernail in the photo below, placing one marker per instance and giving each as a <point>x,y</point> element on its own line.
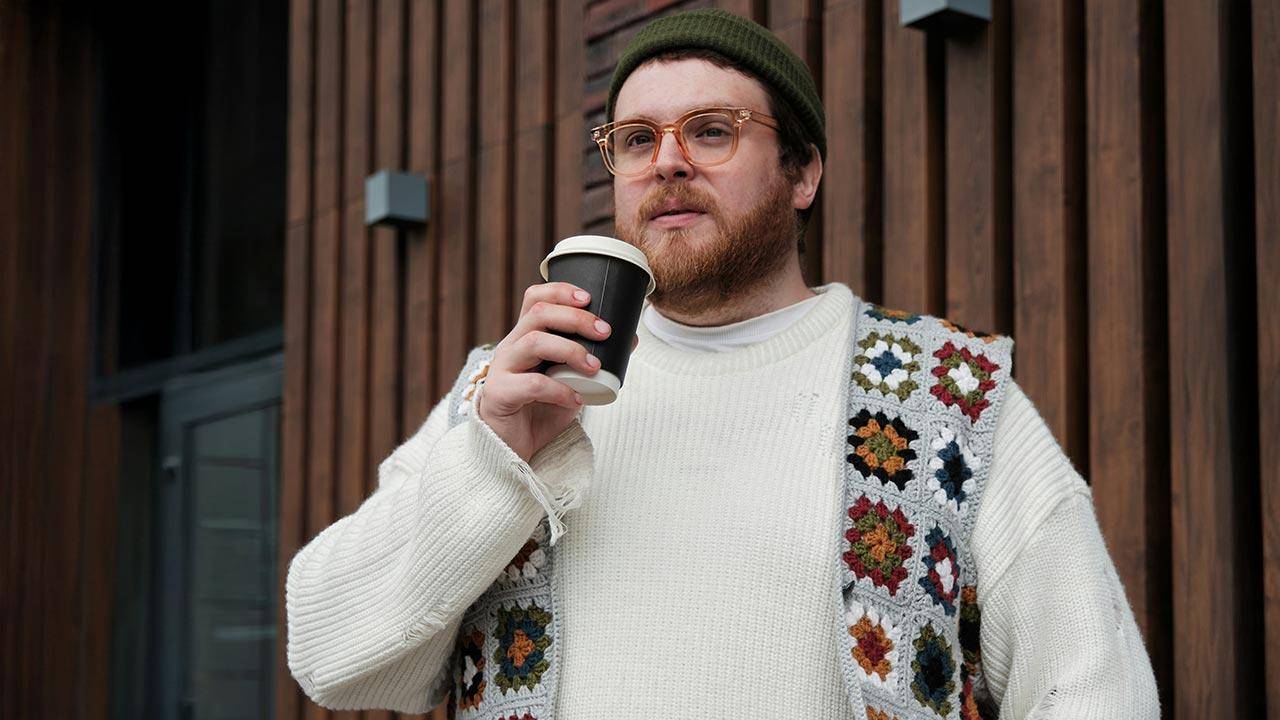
<point>602,326</point>
<point>581,295</point>
<point>592,360</point>
<point>577,398</point>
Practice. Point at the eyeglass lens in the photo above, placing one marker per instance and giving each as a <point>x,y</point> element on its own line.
<point>707,137</point>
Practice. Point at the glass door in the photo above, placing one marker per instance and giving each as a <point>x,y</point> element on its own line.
<point>216,526</point>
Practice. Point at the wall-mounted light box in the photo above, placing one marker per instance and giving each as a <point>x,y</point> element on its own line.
<point>944,16</point>
<point>397,199</point>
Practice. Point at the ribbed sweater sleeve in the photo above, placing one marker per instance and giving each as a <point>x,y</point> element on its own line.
<point>1059,639</point>
<point>374,602</point>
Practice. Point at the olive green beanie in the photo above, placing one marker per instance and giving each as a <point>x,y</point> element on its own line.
<point>743,41</point>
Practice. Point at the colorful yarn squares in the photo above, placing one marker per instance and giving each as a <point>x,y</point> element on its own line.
<point>469,671</point>
<point>933,670</point>
<point>523,640</point>
<point>888,364</point>
<point>882,447</point>
<point>879,543</point>
<point>963,380</point>
<point>952,465</point>
<point>877,643</point>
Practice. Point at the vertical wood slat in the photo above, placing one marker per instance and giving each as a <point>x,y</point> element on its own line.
<point>67,284</point>
<point>1126,314</point>
<point>16,174</point>
<point>422,246</point>
<point>494,177</point>
<point>798,23</point>
<point>351,419</point>
<point>99,578</point>
<point>535,135</point>
<point>570,129</point>
<point>754,9</point>
<point>32,387</point>
<point>977,175</point>
<point>1211,672</point>
<point>352,428</point>
<point>390,153</point>
<point>15,78</point>
<point>454,304</point>
<point>1049,302</point>
<point>851,247</point>
<point>322,472</point>
<point>297,320</point>
<point>913,208</point>
<point>1266,110</point>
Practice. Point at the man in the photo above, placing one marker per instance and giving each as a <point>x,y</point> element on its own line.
<point>740,541</point>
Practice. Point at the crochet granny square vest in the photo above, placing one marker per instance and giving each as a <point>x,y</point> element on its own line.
<point>923,395</point>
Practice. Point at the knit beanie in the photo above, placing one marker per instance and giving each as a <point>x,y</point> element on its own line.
<point>743,41</point>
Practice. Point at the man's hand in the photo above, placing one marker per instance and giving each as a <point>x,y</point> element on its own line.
<point>524,407</point>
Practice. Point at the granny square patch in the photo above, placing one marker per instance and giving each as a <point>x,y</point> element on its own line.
<point>882,447</point>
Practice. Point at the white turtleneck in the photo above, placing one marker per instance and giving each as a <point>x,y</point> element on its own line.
<point>695,576</point>
<point>722,338</point>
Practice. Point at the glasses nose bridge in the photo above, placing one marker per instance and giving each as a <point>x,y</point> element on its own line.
<point>675,130</point>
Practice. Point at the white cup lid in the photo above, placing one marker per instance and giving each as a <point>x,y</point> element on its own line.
<point>598,389</point>
<point>600,245</point>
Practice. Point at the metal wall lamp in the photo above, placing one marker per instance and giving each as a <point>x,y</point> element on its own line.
<point>944,16</point>
<point>395,199</point>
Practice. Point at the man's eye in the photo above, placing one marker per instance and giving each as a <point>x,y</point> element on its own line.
<point>637,140</point>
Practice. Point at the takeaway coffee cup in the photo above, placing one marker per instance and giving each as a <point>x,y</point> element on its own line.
<point>617,276</point>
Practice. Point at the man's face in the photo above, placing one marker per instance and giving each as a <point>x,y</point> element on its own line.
<point>744,227</point>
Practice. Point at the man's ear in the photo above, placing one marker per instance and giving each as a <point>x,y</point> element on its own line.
<point>806,186</point>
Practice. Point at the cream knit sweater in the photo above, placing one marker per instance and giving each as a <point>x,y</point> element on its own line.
<point>694,580</point>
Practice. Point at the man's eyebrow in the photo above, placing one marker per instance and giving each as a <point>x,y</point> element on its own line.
<point>714,102</point>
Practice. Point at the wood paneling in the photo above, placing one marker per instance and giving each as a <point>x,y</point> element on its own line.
<point>1216,669</point>
<point>1127,400</point>
<point>495,122</point>
<point>421,251</point>
<point>1048,241</point>
<point>297,326</point>
<point>390,152</point>
<point>534,149</point>
<point>913,269</point>
<point>1266,136</point>
<point>51,620</point>
<point>977,175</point>
<point>851,211</point>
<point>571,129</point>
<point>454,302</point>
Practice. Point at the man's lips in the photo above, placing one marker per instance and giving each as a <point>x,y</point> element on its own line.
<point>676,219</point>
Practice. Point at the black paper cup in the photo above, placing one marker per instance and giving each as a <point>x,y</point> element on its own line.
<point>617,276</point>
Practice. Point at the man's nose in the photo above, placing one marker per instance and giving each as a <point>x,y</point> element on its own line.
<point>671,164</point>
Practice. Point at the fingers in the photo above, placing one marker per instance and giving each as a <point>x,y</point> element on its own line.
<point>538,345</point>
<point>508,392</point>
<point>543,315</point>
<point>559,293</point>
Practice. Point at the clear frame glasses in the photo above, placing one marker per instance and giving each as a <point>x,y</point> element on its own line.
<point>706,136</point>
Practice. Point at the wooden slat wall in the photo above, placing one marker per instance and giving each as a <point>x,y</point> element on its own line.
<point>1093,177</point>
<point>1127,440</point>
<point>479,97</point>
<point>1217,658</point>
<point>1266,135</point>
<point>913,269</point>
<point>56,450</point>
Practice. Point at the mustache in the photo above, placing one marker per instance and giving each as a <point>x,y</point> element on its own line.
<point>686,196</point>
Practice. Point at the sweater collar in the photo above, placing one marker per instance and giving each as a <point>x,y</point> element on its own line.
<point>834,304</point>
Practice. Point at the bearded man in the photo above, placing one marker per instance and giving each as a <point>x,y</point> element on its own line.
<point>804,505</point>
